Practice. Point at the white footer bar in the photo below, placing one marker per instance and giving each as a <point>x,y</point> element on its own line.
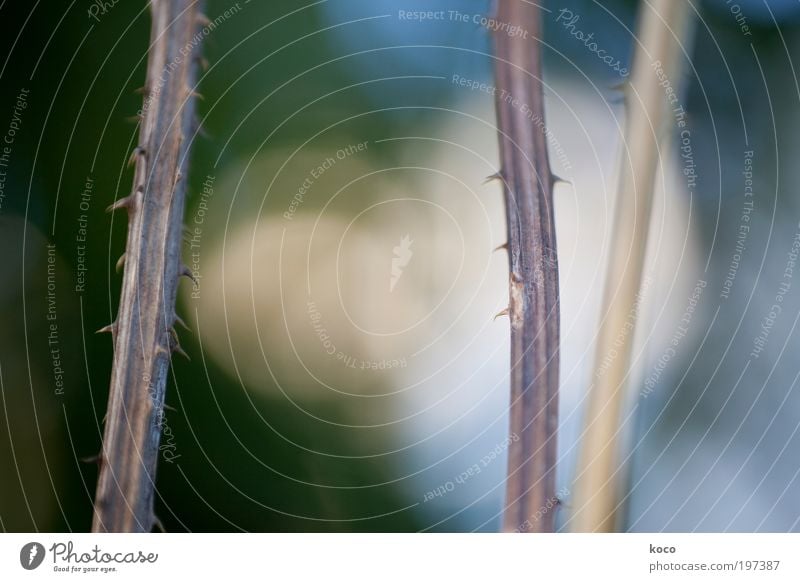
<point>401,557</point>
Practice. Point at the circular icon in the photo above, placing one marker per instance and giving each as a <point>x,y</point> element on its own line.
<point>31,555</point>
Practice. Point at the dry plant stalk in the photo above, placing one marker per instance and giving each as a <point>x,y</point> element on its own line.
<point>144,336</point>
<point>533,285</point>
<point>661,24</point>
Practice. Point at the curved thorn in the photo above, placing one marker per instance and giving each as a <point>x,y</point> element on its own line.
<point>120,262</point>
<point>120,203</point>
<point>187,272</point>
<point>137,151</point>
<point>501,314</point>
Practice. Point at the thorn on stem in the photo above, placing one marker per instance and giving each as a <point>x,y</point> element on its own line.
<point>178,349</point>
<point>620,87</point>
<point>495,176</point>
<point>126,202</point>
<point>137,151</point>
<point>175,344</point>
<point>182,323</point>
<point>110,328</point>
<point>158,524</point>
<point>92,459</point>
<point>503,246</point>
<point>501,314</point>
<point>187,272</point>
<point>120,262</point>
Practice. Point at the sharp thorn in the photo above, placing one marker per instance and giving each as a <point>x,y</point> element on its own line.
<point>187,272</point>
<point>107,329</point>
<point>92,459</point>
<point>137,151</point>
<point>120,203</point>
<point>182,323</point>
<point>495,176</point>
<point>202,19</point>
<point>171,408</point>
<point>158,524</point>
<point>622,86</point>
<point>503,246</point>
<point>177,348</point>
<point>558,179</point>
<point>120,262</point>
<point>502,313</point>
<point>176,344</point>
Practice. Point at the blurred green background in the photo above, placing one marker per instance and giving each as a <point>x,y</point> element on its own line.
<point>240,452</point>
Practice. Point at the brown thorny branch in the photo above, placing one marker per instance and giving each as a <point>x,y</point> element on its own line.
<point>533,284</point>
<point>143,333</point>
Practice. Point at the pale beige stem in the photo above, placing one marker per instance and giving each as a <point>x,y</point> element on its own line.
<point>661,25</point>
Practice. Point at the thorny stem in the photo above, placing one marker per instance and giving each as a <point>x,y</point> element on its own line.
<point>143,333</point>
<point>533,285</point>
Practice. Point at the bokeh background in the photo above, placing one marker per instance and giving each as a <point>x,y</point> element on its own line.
<point>327,391</point>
